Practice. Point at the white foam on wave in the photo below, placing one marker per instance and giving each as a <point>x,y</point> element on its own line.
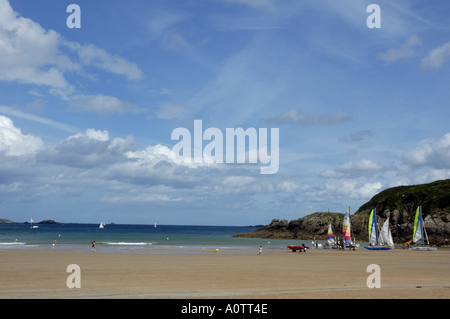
<point>126,244</point>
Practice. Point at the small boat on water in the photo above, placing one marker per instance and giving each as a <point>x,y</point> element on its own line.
<point>102,225</point>
<point>31,226</point>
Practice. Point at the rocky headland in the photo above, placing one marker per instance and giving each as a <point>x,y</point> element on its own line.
<point>397,203</point>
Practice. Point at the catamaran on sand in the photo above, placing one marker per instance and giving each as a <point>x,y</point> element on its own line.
<point>419,231</point>
<point>383,241</point>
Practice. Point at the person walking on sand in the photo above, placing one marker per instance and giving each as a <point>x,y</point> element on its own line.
<point>260,250</point>
<point>93,245</point>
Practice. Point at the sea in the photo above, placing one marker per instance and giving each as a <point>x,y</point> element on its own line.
<point>146,239</point>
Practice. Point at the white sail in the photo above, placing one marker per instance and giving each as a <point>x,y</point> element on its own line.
<point>386,234</point>
<point>418,227</point>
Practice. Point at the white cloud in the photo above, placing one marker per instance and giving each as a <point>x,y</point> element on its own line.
<point>92,134</point>
<point>364,166</point>
<point>30,54</point>
<point>435,154</point>
<point>436,57</point>
<point>152,153</point>
<point>88,150</point>
<point>405,51</point>
<point>103,104</point>
<point>13,142</point>
<point>90,54</point>
<point>238,181</point>
<point>139,199</point>
<point>356,188</point>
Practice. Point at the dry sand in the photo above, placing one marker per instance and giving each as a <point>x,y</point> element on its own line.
<point>41,273</point>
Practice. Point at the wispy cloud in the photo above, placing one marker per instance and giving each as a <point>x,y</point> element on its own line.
<point>299,117</point>
<point>436,57</point>
<point>357,136</point>
<point>404,51</point>
<point>103,104</point>
<point>170,111</point>
<point>251,3</point>
<point>32,117</point>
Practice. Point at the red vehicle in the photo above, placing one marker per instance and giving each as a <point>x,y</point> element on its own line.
<point>295,248</point>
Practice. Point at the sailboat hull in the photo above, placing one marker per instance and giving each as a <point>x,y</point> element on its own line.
<point>377,248</point>
<point>423,248</point>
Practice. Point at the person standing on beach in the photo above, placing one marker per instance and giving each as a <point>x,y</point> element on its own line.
<point>260,250</point>
<point>93,245</point>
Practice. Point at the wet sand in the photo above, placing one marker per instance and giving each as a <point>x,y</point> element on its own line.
<point>275,274</point>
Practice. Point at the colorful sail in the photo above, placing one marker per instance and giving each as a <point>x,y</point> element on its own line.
<point>373,229</point>
<point>418,227</point>
<point>330,235</point>
<point>346,227</point>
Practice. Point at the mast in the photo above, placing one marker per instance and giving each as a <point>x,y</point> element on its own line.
<point>425,230</point>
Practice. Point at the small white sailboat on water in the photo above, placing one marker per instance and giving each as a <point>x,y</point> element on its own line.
<point>32,224</point>
<point>102,225</point>
<point>419,231</point>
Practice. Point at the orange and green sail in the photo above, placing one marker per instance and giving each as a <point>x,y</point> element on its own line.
<point>346,227</point>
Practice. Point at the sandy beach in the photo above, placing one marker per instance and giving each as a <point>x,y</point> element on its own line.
<point>41,273</point>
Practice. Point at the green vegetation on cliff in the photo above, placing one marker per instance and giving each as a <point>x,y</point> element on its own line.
<point>433,197</point>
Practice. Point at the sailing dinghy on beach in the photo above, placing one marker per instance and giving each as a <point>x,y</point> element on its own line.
<point>419,231</point>
<point>375,242</point>
<point>385,234</point>
<point>346,235</point>
<point>330,240</point>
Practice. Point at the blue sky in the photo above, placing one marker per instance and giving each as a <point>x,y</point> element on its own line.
<point>86,114</point>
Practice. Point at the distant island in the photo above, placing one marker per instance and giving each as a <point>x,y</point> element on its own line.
<point>48,222</point>
<point>397,203</point>
<point>5,221</point>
